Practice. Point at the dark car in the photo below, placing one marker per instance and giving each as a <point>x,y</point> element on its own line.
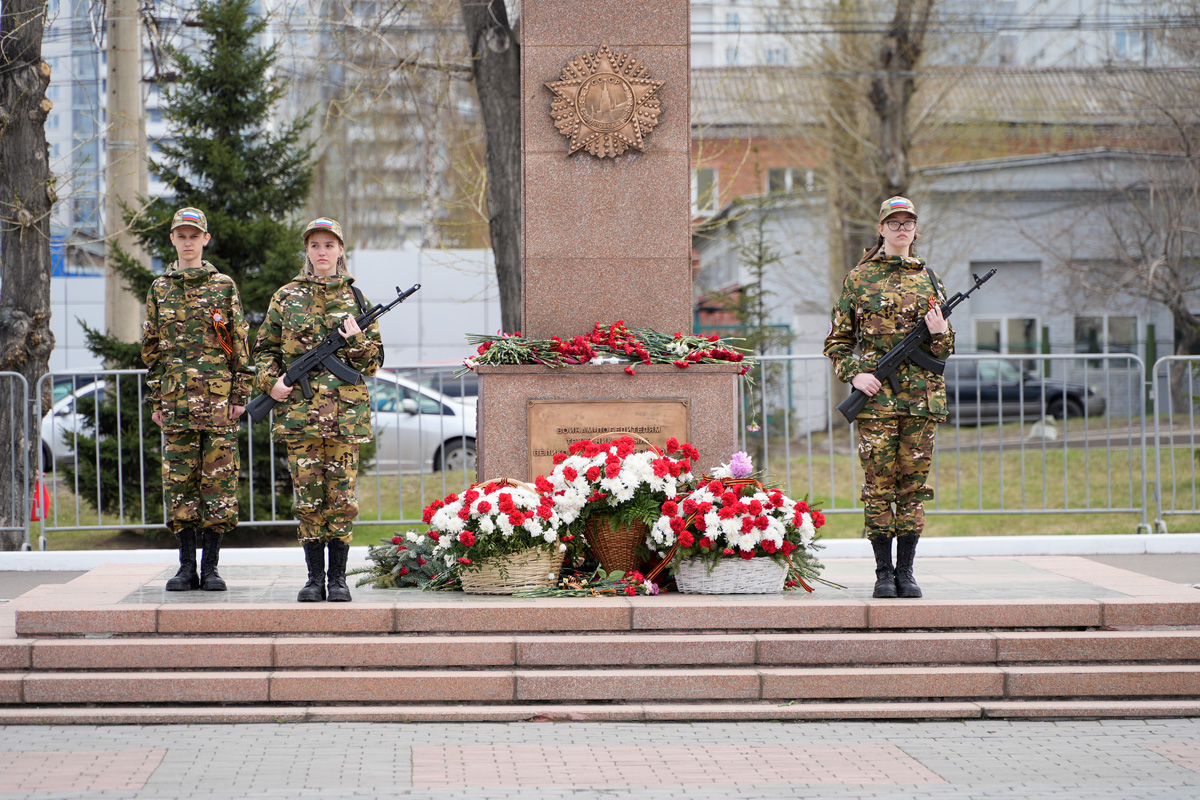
<point>442,379</point>
<point>991,389</point>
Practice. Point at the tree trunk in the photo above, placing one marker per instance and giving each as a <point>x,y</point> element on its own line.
<point>26,194</point>
<point>1185,382</point>
<point>893,87</point>
<point>496,65</point>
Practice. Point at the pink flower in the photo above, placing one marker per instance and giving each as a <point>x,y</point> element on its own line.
<point>740,465</point>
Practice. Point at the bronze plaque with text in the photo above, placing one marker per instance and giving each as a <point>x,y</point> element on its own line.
<point>555,424</point>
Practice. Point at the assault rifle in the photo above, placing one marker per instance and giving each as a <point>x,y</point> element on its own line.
<point>324,355</point>
<point>909,349</point>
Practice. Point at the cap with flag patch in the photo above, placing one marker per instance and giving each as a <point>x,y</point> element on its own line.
<point>324,224</point>
<point>190,216</point>
<point>895,205</point>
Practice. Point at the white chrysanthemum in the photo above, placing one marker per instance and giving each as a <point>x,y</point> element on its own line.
<point>747,541</point>
<point>807,530</point>
<point>661,533</point>
<point>722,472</point>
<point>486,525</point>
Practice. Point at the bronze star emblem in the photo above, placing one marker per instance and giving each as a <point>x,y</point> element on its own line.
<point>605,102</point>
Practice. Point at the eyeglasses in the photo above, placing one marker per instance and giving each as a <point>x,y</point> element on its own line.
<point>895,224</point>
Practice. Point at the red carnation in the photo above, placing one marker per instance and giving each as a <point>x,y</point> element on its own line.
<point>677,524</point>
<point>727,551</point>
<point>787,547</point>
<point>700,524</point>
<point>689,507</point>
<point>593,473</point>
<point>568,537</point>
<point>464,513</point>
<point>672,444</point>
<point>542,484</point>
<point>691,452</point>
<point>630,370</point>
<point>768,545</point>
<point>559,458</point>
<point>483,507</point>
<point>466,538</point>
<point>818,519</point>
<point>397,540</point>
<point>760,523</point>
<point>570,474</point>
<point>575,448</point>
<point>516,518</point>
<point>629,590</point>
<point>464,560</point>
<point>421,561</point>
<point>747,524</point>
<point>727,513</point>
<point>801,506</point>
<point>680,363</point>
<point>706,542</point>
<point>728,498</point>
<point>427,517</point>
<point>404,570</point>
<point>746,554</point>
<point>686,539</point>
<point>435,535</point>
<point>704,508</point>
<point>470,497</point>
<point>545,512</point>
<point>671,508</point>
<point>612,469</point>
<point>451,498</point>
<point>483,348</point>
<point>756,507</point>
<point>716,487</point>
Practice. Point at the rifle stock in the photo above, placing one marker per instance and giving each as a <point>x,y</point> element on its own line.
<point>325,355</point>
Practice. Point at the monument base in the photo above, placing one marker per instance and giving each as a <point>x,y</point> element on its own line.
<point>507,394</point>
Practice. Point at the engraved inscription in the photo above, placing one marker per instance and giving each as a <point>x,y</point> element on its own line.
<point>555,424</point>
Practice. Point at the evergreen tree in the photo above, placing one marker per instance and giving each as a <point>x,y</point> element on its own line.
<point>250,175</point>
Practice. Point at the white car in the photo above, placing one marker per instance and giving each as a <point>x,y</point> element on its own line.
<point>62,422</point>
<point>418,429</point>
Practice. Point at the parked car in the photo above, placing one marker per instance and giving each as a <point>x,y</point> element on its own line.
<point>418,429</point>
<point>62,422</point>
<point>465,389</point>
<point>991,389</point>
<point>65,383</point>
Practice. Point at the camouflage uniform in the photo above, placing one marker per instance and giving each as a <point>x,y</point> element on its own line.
<point>322,434</point>
<point>882,300</point>
<point>195,384</point>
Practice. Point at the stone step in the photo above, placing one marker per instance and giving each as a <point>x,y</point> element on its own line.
<point>699,684</point>
<point>609,712</point>
<point>48,615</point>
<point>600,650</point>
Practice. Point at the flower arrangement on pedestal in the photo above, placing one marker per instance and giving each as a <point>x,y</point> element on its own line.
<point>614,492</point>
<point>606,344</point>
<point>505,532</point>
<point>732,517</point>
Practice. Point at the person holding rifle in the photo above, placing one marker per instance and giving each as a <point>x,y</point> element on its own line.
<point>322,433</point>
<point>194,346</point>
<point>883,298</point>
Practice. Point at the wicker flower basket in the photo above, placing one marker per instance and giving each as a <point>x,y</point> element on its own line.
<point>732,576</point>
<point>535,568</point>
<point>616,546</point>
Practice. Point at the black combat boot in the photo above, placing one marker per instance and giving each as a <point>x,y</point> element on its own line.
<point>185,579</point>
<point>314,556</point>
<point>906,551</point>
<point>339,552</point>
<point>210,581</point>
<point>885,576</point>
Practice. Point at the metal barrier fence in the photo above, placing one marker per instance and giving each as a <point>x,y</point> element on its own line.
<point>1006,448</point>
<point>1177,400</point>
<point>1028,434</point>
<point>14,457</point>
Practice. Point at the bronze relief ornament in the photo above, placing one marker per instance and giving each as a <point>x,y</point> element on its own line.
<point>605,102</point>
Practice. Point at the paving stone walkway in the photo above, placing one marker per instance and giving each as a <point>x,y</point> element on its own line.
<point>979,760</point>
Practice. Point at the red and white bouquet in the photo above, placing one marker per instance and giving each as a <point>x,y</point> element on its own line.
<point>491,519</point>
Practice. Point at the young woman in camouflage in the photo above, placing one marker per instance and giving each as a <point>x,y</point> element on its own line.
<point>882,300</point>
<point>322,434</point>
<point>198,361</point>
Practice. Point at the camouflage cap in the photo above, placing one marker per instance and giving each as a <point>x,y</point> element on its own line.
<point>896,205</point>
<point>190,216</point>
<point>324,224</point>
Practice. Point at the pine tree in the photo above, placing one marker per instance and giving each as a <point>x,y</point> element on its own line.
<point>250,176</point>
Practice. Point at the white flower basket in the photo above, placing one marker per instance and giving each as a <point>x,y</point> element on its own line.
<point>732,576</point>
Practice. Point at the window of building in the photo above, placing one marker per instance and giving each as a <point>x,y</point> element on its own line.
<point>789,179</point>
<point>1004,334</point>
<point>731,55</point>
<point>52,122</point>
<point>776,55</point>
<point>732,21</point>
<point>1109,333</point>
<point>704,192</point>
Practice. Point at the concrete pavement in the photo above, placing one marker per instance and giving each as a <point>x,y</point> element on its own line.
<point>980,760</point>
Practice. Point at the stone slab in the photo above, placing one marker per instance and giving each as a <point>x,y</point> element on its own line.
<point>558,22</point>
<point>394,651</point>
<point>167,715</point>
<point>1090,709</point>
<point>882,684</point>
<point>504,392</point>
<point>630,650</point>
<point>148,654</point>
<point>1129,682</point>
<point>730,712</point>
<point>876,648</point>
<point>635,684</point>
<point>295,618</point>
<point>928,613</point>
<point>1169,610</point>
<point>393,686</point>
<point>44,621</point>
<point>546,614</point>
<point>478,713</point>
<point>15,655</point>
<point>1033,646</point>
<point>11,688</point>
<point>715,612</point>
<point>147,687</point>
